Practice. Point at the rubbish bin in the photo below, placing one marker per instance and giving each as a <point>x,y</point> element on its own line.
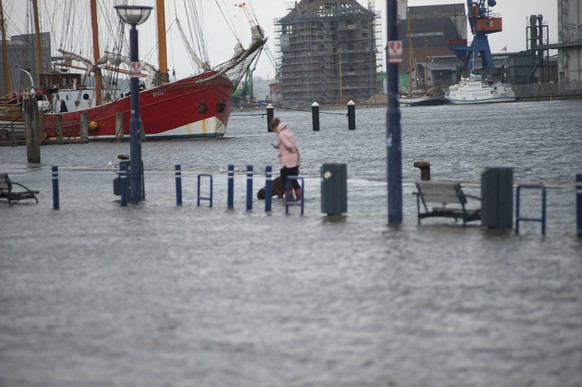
<point>497,198</point>
<point>334,189</point>
<point>117,180</point>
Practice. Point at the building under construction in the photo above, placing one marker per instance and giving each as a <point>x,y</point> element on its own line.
<point>328,52</point>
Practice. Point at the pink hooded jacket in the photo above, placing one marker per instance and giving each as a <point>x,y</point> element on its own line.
<point>287,146</point>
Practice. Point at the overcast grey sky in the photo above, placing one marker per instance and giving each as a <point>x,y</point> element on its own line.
<point>515,14</point>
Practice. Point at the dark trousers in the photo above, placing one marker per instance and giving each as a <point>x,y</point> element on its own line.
<point>290,172</point>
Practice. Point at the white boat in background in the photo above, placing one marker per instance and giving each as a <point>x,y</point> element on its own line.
<point>476,90</point>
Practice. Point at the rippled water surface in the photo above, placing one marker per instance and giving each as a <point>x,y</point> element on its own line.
<point>161,295</point>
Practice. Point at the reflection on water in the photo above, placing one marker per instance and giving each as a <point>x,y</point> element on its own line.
<point>94,294</point>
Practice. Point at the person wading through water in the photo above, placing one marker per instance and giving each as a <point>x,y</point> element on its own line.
<point>288,156</point>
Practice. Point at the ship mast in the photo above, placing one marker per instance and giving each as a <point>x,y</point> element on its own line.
<point>163,76</point>
<point>95,30</point>
<point>37,36</point>
<point>7,80</point>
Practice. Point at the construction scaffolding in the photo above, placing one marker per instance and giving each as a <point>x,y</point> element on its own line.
<point>328,52</point>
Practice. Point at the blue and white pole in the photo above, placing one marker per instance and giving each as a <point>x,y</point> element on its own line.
<point>249,187</point>
<point>579,204</point>
<point>230,188</point>
<point>270,115</point>
<point>123,183</point>
<point>55,176</point>
<point>268,187</point>
<point>178,169</point>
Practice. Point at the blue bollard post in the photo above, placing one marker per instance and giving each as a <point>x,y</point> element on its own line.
<point>123,183</point>
<point>230,194</point>
<point>351,115</point>
<point>579,204</point>
<point>178,185</point>
<point>268,188</point>
<point>270,115</point>
<point>315,116</point>
<point>249,187</point>
<point>55,175</point>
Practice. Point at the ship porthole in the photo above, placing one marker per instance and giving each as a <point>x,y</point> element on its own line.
<point>85,96</point>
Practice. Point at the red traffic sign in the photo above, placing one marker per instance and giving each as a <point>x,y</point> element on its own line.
<point>135,69</point>
<point>395,51</point>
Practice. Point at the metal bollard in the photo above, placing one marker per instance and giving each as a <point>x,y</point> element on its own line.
<point>230,194</point>
<point>579,204</point>
<point>268,188</point>
<point>270,115</point>
<point>178,185</point>
<point>351,115</point>
<point>424,167</point>
<point>55,175</point>
<point>315,116</point>
<point>289,201</point>
<point>208,198</point>
<point>249,187</point>
<point>123,183</point>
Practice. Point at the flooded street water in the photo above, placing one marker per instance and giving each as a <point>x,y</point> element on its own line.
<point>163,295</point>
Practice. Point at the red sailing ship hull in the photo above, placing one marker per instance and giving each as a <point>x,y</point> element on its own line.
<point>181,109</point>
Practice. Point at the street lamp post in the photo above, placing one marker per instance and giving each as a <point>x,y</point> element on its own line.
<point>394,147</point>
<point>134,15</point>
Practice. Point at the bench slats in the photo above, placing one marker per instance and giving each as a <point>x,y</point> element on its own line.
<point>449,196</point>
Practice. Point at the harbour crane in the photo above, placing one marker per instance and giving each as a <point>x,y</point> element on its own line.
<point>482,23</point>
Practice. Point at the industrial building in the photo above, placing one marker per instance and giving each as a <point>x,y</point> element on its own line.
<point>425,32</point>
<point>544,69</point>
<point>329,52</point>
<point>570,45</point>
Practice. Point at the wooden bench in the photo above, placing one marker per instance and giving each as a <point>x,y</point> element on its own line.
<point>448,199</point>
<point>7,190</point>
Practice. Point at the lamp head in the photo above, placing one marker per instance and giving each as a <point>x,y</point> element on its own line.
<point>133,14</point>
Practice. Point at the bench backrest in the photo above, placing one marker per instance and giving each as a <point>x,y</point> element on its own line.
<point>5,184</point>
<point>441,192</point>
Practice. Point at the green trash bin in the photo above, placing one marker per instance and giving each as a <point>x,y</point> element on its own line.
<point>334,189</point>
<point>497,198</point>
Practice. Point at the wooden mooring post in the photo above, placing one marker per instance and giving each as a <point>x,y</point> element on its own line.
<point>59,124</point>
<point>84,127</point>
<point>119,126</point>
<point>32,116</point>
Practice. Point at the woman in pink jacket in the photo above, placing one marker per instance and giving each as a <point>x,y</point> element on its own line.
<point>288,155</point>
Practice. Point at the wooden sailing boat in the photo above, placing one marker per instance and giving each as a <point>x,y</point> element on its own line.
<point>194,107</point>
